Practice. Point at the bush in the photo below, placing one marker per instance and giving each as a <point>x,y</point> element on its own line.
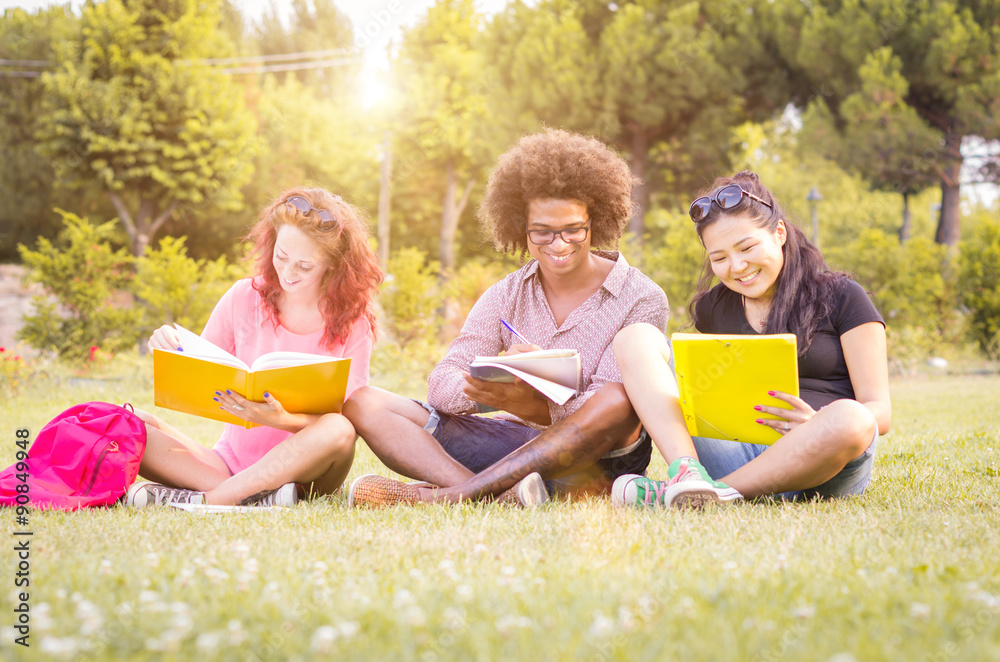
<point>172,287</point>
<point>14,373</point>
<point>674,263</point>
<point>411,296</point>
<point>979,284</point>
<point>463,288</point>
<point>912,284</point>
<point>82,277</point>
<point>405,370</point>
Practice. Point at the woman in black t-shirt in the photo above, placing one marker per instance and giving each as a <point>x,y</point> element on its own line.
<point>772,280</point>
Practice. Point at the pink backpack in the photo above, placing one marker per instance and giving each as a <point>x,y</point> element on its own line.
<point>86,456</point>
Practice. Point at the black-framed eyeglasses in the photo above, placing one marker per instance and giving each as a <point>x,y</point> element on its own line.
<point>568,235</point>
<point>328,220</point>
<point>726,197</point>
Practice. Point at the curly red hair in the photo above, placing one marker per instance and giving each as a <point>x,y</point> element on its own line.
<point>354,276</point>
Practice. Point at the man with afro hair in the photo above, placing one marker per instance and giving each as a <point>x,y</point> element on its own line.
<point>553,195</point>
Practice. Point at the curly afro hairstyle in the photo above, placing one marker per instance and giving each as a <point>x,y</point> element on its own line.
<point>561,165</point>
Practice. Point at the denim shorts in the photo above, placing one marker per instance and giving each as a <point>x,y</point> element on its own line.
<point>478,442</point>
<point>722,457</point>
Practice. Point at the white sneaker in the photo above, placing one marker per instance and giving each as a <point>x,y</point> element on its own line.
<point>144,494</point>
<point>286,495</point>
<point>531,491</point>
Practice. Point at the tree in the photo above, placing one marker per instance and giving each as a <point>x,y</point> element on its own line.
<point>26,178</point>
<point>979,282</point>
<point>444,136</point>
<point>320,27</point>
<point>878,133</point>
<point>947,53</point>
<point>306,138</point>
<point>129,107</point>
<point>662,81</point>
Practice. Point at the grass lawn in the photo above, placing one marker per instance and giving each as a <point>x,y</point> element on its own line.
<point>909,571</point>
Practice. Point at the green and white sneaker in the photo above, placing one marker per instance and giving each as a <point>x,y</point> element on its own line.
<point>689,485</point>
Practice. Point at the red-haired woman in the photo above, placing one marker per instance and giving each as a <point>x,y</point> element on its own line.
<point>315,281</point>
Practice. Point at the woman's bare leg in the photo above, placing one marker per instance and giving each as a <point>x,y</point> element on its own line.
<point>643,358</point>
<point>320,454</point>
<point>174,459</point>
<point>810,454</point>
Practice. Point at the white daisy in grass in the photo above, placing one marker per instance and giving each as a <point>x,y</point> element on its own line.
<point>236,633</point>
<point>62,647</point>
<point>602,626</point>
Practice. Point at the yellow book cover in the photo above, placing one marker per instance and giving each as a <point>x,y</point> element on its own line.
<point>721,377</point>
<point>186,381</point>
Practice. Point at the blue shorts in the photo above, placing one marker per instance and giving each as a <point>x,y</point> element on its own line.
<point>478,442</point>
<point>721,458</point>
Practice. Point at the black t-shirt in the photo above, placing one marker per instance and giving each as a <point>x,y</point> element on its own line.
<point>823,375</point>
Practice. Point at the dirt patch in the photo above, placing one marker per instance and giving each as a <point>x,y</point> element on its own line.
<point>15,302</point>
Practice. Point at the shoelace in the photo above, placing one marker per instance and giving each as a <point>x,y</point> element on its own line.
<point>262,498</point>
<point>655,495</point>
<point>164,495</point>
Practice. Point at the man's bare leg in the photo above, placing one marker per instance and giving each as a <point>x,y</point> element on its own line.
<point>393,427</point>
<point>605,422</point>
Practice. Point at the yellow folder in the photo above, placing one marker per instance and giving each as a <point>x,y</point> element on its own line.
<point>303,383</point>
<point>721,377</point>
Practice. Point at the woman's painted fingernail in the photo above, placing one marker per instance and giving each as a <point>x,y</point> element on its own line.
<point>770,392</point>
<point>216,399</point>
<point>180,349</point>
<point>760,421</point>
<point>267,395</point>
<point>758,408</point>
<point>217,393</point>
<point>228,392</point>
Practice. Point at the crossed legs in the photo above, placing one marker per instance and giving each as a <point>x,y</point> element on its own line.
<point>808,456</point>
<point>320,454</point>
<point>393,427</point>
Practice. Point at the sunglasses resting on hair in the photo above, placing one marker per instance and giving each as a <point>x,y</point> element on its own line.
<point>726,197</point>
<point>305,207</point>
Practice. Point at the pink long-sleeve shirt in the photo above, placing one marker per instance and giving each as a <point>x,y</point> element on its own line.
<point>239,324</point>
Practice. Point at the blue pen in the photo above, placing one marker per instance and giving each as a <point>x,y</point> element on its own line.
<point>512,330</point>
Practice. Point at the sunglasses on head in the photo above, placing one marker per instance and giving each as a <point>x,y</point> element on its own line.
<point>726,197</point>
<point>327,220</point>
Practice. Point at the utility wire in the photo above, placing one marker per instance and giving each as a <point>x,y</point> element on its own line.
<point>295,66</point>
<point>275,57</point>
<point>314,57</point>
<point>231,71</point>
<point>26,63</point>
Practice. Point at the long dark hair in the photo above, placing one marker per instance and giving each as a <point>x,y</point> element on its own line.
<point>804,292</point>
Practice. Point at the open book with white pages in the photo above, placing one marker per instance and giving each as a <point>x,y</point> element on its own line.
<point>555,373</point>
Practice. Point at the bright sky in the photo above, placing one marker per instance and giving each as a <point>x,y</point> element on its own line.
<point>379,20</point>
<point>376,23</point>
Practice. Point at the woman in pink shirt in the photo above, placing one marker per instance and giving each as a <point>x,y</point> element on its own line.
<point>315,282</point>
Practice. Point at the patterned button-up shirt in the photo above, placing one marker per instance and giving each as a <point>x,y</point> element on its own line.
<point>626,297</point>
